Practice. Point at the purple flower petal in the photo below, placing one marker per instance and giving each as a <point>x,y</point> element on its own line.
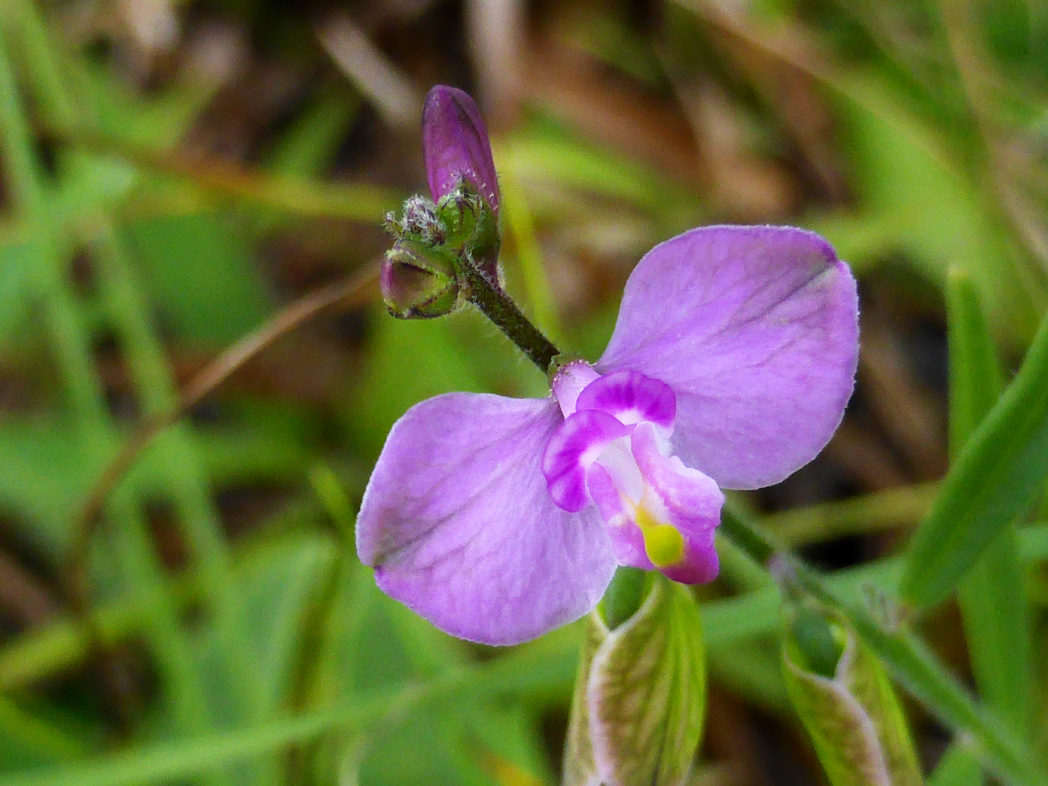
<point>668,523</point>
<point>569,381</point>
<point>575,445</point>
<point>755,331</point>
<point>459,524</point>
<point>455,145</point>
<point>630,398</point>
<point>627,541</point>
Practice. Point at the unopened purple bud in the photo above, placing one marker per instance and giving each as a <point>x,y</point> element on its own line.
<point>455,146</point>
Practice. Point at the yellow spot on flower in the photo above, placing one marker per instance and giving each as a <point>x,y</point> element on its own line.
<point>663,544</point>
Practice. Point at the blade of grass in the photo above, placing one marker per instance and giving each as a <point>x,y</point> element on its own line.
<point>878,510</point>
<point>70,344</point>
<point>996,476</point>
<point>34,734</point>
<point>197,515</point>
<point>188,487</point>
<point>957,767</point>
<point>288,194</point>
<point>999,641</point>
<point>518,671</point>
<point>529,259</point>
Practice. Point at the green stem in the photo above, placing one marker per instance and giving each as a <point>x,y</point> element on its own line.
<point>498,307</point>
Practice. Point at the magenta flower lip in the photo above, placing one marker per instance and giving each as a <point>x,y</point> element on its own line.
<point>729,367</point>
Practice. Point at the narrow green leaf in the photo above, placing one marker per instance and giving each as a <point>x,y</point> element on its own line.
<point>995,477</point>
<point>975,374</point>
<point>521,225</point>
<point>29,736</point>
<point>175,760</point>
<point>957,767</point>
<point>136,558</point>
<point>999,644</point>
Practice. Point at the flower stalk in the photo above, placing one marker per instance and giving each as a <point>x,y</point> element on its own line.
<point>497,306</point>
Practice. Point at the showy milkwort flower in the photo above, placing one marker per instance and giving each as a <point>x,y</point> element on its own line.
<point>730,365</point>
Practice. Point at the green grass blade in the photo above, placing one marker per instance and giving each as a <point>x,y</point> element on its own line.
<point>27,735</point>
<point>188,488</point>
<point>957,767</point>
<point>538,664</point>
<point>999,642</point>
<point>996,476</point>
<point>975,375</point>
<point>521,225</point>
<point>92,432</point>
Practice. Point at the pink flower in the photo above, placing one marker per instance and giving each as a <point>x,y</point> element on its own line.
<point>730,366</point>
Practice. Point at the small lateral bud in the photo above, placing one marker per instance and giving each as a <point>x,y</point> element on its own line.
<point>418,281</point>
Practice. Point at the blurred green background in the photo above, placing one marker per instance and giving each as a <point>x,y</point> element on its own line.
<point>178,173</point>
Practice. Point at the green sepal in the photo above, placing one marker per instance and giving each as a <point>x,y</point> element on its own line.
<point>640,698</point>
<point>437,247</point>
<point>850,711</point>
<point>420,281</point>
<point>472,230</point>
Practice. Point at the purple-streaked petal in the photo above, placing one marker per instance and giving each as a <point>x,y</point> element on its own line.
<point>630,398</point>
<point>455,145</point>
<point>684,498</point>
<point>459,524</point>
<point>574,446</point>
<point>755,330</point>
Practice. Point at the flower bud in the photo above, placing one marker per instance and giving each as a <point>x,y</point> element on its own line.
<point>455,146</point>
<point>640,694</point>
<point>418,281</point>
<point>845,701</point>
<point>461,174</point>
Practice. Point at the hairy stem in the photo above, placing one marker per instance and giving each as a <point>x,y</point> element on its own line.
<point>498,307</point>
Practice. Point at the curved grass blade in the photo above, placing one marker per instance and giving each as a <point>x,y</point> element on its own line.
<point>999,644</point>
<point>996,476</point>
